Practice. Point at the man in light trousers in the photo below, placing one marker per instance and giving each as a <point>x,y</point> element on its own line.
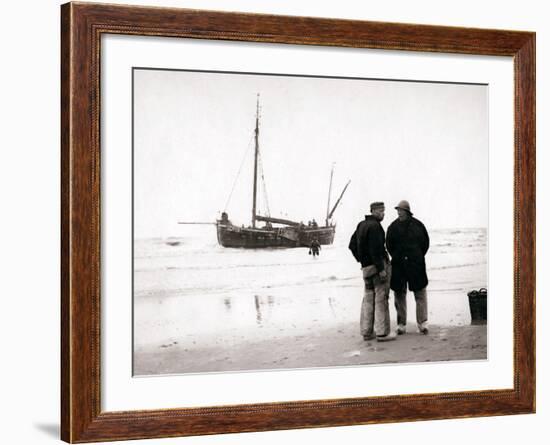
<point>408,242</point>
<point>368,247</point>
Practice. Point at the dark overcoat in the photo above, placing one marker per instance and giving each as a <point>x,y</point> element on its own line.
<point>367,243</point>
<point>407,242</point>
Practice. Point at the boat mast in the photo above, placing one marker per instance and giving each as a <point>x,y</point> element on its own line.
<point>329,191</point>
<point>256,148</point>
<point>338,202</point>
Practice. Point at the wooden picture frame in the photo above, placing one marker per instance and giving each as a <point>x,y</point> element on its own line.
<point>82,26</point>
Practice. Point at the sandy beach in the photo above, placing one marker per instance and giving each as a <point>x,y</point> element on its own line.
<point>338,346</point>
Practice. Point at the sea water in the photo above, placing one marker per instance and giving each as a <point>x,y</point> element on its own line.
<point>189,287</point>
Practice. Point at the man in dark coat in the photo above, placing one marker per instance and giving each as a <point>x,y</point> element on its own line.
<point>314,247</point>
<point>368,247</point>
<point>408,242</point>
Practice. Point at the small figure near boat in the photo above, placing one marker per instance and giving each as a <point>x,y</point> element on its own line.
<point>314,248</point>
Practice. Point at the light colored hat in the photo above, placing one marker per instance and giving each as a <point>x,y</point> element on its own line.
<point>404,205</point>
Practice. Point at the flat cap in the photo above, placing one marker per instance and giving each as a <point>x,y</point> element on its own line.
<point>376,205</point>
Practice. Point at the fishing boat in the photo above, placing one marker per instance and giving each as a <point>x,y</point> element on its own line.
<point>275,232</point>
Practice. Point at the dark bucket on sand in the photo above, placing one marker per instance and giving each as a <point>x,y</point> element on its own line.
<point>478,306</point>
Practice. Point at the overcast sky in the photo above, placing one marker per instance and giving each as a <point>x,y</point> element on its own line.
<point>424,142</point>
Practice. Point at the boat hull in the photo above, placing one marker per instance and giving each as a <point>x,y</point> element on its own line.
<point>254,238</point>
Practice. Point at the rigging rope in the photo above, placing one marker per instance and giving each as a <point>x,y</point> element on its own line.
<point>238,173</point>
<point>263,184</point>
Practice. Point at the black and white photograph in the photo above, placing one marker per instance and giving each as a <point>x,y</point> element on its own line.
<point>211,209</point>
<point>295,221</point>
